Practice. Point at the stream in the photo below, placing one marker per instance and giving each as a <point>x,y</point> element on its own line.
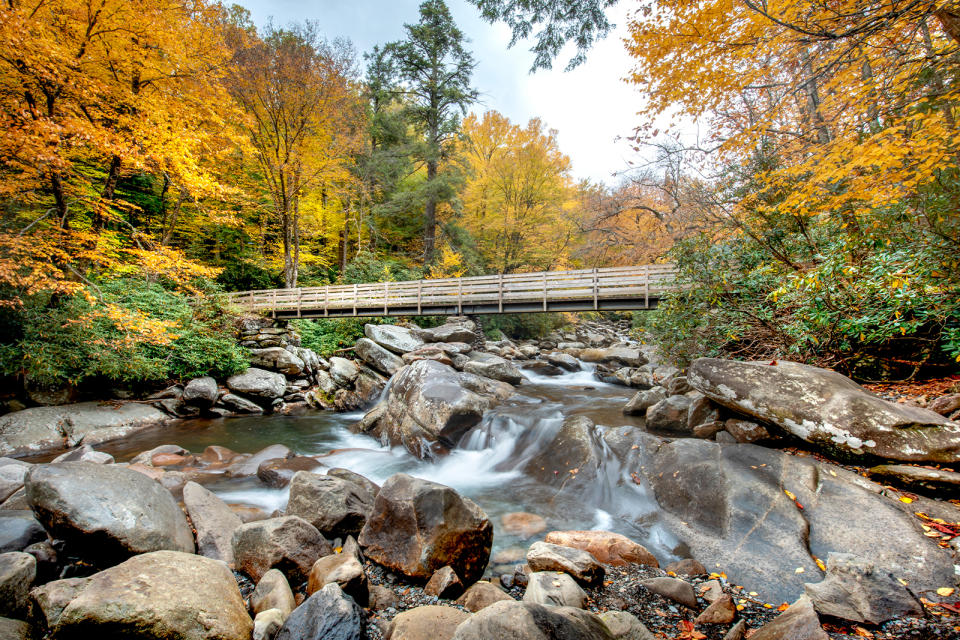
<point>485,467</point>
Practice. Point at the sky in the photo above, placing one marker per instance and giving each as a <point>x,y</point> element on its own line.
<point>589,107</point>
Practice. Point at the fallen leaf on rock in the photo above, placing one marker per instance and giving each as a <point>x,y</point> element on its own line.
<point>906,500</point>
<point>783,606</point>
<point>687,632</point>
<point>945,592</point>
<point>820,564</point>
<point>863,633</point>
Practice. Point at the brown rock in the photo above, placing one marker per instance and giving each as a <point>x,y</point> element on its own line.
<point>290,544</point>
<point>445,583</point>
<point>273,592</point>
<point>278,472</point>
<point>343,569</point>
<point>523,525</point>
<point>686,567</point>
<point>579,564</point>
<point>674,589</point>
<point>798,622</point>
<point>721,611</point>
<point>215,454</point>
<point>480,595</point>
<point>608,548</point>
<point>426,623</point>
<point>381,597</point>
<point>745,431</point>
<point>945,405</point>
<point>168,460</point>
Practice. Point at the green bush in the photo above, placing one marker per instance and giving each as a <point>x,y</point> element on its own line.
<point>521,326</point>
<point>69,340</point>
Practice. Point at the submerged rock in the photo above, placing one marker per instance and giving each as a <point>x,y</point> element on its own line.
<point>418,527</point>
<point>827,409</point>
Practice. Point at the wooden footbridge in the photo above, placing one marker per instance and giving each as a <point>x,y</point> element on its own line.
<point>608,289</point>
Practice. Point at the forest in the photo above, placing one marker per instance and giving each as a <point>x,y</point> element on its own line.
<point>154,154</point>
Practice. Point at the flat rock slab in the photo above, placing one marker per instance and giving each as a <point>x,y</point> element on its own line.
<point>918,478</point>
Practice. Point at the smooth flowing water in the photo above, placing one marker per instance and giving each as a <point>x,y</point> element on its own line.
<point>487,465</point>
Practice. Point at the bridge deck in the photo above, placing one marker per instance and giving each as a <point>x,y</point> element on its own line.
<point>613,288</point>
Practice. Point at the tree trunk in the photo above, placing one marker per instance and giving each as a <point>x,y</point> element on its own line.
<point>109,188</point>
<point>170,224</point>
<point>56,183</point>
<point>430,217</point>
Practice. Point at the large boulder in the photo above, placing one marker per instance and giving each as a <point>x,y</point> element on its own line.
<point>343,371</point>
<point>670,416</point>
<point>495,367</point>
<point>377,357</point>
<point>429,407</point>
<point>576,445</point>
<point>451,331</point>
<point>431,622</point>
<point>328,614</point>
<point>48,428</point>
<point>106,513</point>
<point>159,595</point>
<point>730,504</point>
<point>213,521</point>
<point>277,359</point>
<point>622,356</point>
<point>609,548</point>
<point>827,409</point>
<point>337,507</point>
<point>290,544</point>
<point>530,621</point>
<point>258,384</point>
<point>418,527</point>
<point>397,339</point>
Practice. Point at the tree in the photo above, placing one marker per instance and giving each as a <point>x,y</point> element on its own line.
<point>435,67</point>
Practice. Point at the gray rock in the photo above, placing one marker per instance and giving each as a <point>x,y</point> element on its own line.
<point>123,510</point>
<point>622,356</point>
<point>431,622</point>
<point>680,591</point>
<point>450,332</point>
<point>372,488</point>
<point>159,595</point>
<point>342,569</point>
<point>249,465</point>
<point>377,357</point>
<point>53,597</point>
<point>945,405</point>
<point>670,416</point>
<point>279,472</point>
<point>290,544</point>
<point>50,428</point>
<point>530,621</point>
<point>918,478</point>
<point>240,405</point>
<point>397,339</point>
<point>417,527</point>
<point>11,477</point>
<point>854,589</point>
<point>343,371</point>
<point>277,359</point>
<point>828,409</point>
<point>267,624</point>
<point>643,400</point>
<point>564,361</point>
<point>555,589</point>
<point>16,629</point>
<point>17,573</point>
<point>494,367</point>
<point>544,556</point>
<point>335,506</point>
<point>213,520</point>
<point>200,392</point>
<point>19,529</point>
<point>258,384</point>
<point>702,410</point>
<point>328,614</point>
<point>273,592</point>
<point>746,432</point>
<point>798,622</point>
<point>625,626</point>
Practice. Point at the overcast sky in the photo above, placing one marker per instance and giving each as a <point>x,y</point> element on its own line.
<point>589,106</point>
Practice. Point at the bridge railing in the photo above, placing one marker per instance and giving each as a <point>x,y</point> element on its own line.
<point>642,282</point>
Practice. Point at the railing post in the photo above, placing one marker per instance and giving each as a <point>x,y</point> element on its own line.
<point>299,301</point>
<point>253,304</point>
<point>500,294</point>
<point>646,286</point>
<point>386,296</point>
<point>544,291</point>
<point>596,290</point>
<point>273,309</point>
<point>326,301</point>
<point>419,294</point>
<point>355,296</point>
<point>459,297</point>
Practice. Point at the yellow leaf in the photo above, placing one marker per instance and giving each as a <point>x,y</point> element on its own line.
<point>945,591</point>
<point>906,500</point>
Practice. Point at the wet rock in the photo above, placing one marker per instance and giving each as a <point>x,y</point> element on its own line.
<point>945,405</point>
<point>51,428</point>
<point>213,520</point>
<point>577,445</point>
<point>277,359</point>
<point>564,361</point>
<point>16,629</point>
<point>343,371</point>
<point>522,525</point>
<point>670,415</point>
<point>918,479</point>
<point>417,527</point>
<point>798,622</point>
<point>146,457</point>
<point>530,621</point>
<point>544,556</point>
<point>481,595</point>
<point>53,597</point>
<point>542,368</point>
<point>555,589</point>
<point>643,400</point>
<point>429,407</point>
<point>217,455</point>
<point>494,367</point>
<point>854,589</point>
<point>12,474</point>
<point>721,611</point>
<point>746,432</point>
<point>336,507</point>
<point>17,573</point>
<point>200,392</point>
<point>278,472</point>
<point>431,622</point>
<point>328,614</point>
<point>622,356</point>
<point>674,589</point>
<point>240,405</point>
<point>159,595</point>
<point>46,557</point>
<point>609,548</point>
<point>267,624</point>
<point>625,626</point>
<point>290,544</point>
<point>342,569</point>
<point>124,511</point>
<point>686,567</point>
<point>19,529</point>
<point>247,465</point>
<point>258,384</point>
<point>397,339</point>
<point>273,592</point>
<point>444,583</point>
<point>827,409</point>
<point>377,357</point>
